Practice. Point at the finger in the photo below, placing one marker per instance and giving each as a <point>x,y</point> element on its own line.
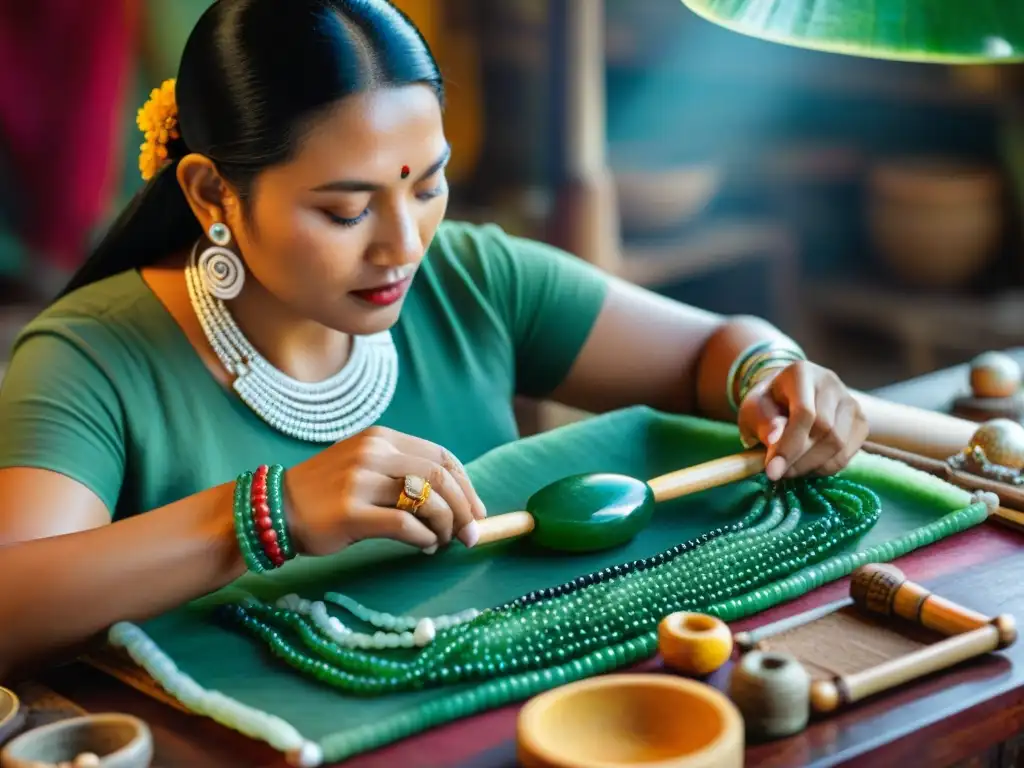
<point>760,419</point>
<point>458,471</point>
<point>793,391</point>
<point>424,448</point>
<point>855,428</point>
<point>462,522</point>
<point>843,426</point>
<point>371,522</point>
<point>826,437</point>
<point>438,516</point>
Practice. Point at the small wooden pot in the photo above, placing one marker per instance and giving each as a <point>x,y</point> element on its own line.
<point>628,720</point>
<point>120,741</point>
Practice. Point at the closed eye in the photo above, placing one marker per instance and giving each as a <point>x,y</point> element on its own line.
<point>346,222</point>
<point>424,196</point>
<point>430,194</point>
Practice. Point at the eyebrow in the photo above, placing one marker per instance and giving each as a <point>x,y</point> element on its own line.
<point>354,185</point>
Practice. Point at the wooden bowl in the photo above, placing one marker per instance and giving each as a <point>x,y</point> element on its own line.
<point>935,223</point>
<point>615,721</point>
<point>120,741</point>
<point>12,714</point>
<point>650,201</point>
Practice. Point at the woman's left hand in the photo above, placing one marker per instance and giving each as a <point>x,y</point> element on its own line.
<point>806,418</point>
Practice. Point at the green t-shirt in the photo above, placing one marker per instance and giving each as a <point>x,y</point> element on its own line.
<point>105,388</point>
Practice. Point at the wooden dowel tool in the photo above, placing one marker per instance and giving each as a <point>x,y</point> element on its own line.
<point>883,589</point>
<point>673,485</point>
<point>829,695</point>
<point>1010,496</point>
<point>710,474</point>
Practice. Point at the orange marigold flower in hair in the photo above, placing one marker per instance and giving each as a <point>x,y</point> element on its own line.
<point>158,121</point>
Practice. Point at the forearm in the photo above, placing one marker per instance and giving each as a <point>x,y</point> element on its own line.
<point>920,431</point>
<point>61,591</point>
<point>913,429</point>
<point>730,340</point>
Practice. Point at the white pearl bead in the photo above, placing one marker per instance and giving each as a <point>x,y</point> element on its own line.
<point>424,633</point>
<point>309,755</point>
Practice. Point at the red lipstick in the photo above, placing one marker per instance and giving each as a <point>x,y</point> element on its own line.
<point>383,295</point>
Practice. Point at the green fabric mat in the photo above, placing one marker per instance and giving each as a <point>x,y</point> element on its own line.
<point>388,577</point>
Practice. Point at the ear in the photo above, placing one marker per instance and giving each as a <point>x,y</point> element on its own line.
<point>208,195</point>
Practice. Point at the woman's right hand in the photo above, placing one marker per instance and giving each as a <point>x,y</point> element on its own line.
<point>350,492</point>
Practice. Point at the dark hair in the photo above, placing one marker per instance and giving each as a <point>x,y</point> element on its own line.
<point>253,75</point>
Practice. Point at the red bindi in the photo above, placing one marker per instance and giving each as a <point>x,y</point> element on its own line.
<point>405,171</point>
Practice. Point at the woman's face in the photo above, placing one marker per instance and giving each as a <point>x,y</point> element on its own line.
<point>338,233</point>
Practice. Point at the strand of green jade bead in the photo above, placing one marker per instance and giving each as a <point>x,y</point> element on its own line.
<point>260,525</point>
<point>255,559</point>
<point>768,544</point>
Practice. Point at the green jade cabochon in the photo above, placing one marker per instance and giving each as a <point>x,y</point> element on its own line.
<point>591,512</point>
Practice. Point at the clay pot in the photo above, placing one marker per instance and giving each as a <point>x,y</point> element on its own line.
<point>934,223</point>
<point>615,721</point>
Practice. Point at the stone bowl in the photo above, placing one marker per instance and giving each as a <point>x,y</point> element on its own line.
<point>120,741</point>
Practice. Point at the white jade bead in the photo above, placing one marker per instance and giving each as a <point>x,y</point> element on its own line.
<point>424,632</point>
<point>214,704</point>
<point>309,755</point>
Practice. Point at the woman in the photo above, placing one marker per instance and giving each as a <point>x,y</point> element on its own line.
<point>295,207</point>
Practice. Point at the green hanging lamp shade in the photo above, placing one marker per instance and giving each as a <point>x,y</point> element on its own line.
<point>931,31</point>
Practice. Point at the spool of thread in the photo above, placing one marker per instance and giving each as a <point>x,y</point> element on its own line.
<point>772,691</point>
<point>694,643</point>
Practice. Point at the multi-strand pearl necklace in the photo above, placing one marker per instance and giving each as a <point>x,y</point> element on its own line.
<point>322,412</point>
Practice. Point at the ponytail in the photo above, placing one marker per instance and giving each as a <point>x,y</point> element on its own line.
<point>157,222</point>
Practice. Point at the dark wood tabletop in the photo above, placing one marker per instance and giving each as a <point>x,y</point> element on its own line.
<point>972,712</point>
<point>970,715</point>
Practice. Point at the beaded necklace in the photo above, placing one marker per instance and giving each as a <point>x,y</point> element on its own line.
<point>787,528</point>
<point>322,412</point>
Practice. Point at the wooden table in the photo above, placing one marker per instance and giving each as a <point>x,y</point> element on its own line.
<point>968,716</point>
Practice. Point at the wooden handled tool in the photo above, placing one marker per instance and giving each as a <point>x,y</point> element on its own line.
<point>597,511</point>
<point>884,590</point>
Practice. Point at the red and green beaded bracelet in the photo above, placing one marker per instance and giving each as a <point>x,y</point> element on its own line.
<point>259,519</point>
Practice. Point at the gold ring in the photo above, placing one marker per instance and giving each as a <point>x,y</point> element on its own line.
<point>414,495</point>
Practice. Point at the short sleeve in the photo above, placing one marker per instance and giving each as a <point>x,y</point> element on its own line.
<point>547,299</point>
<point>59,411</point>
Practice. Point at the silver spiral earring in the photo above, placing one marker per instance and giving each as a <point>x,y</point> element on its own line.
<point>220,268</point>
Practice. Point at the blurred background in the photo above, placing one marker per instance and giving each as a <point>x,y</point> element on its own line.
<point>871,209</point>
